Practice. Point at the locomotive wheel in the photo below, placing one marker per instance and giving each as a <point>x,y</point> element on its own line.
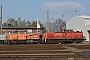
<point>1,42</point>
<point>51,42</point>
<point>39,41</point>
<point>8,42</point>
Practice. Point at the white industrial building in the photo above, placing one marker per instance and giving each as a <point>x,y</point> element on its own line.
<point>79,23</point>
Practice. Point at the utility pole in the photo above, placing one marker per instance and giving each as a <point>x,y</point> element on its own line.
<point>48,20</point>
<point>1,19</point>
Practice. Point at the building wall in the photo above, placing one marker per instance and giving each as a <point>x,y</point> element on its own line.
<point>87,22</point>
<point>75,23</point>
<point>5,31</point>
<point>87,34</point>
<point>79,24</point>
<point>34,31</point>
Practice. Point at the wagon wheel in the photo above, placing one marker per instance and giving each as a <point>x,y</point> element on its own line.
<point>1,42</point>
<point>8,42</point>
<point>51,42</point>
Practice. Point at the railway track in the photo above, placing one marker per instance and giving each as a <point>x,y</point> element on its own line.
<point>38,51</point>
<point>63,55</point>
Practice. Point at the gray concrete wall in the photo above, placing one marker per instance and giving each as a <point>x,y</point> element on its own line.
<point>75,23</point>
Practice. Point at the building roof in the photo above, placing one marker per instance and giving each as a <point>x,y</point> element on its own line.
<point>19,27</point>
<point>85,17</point>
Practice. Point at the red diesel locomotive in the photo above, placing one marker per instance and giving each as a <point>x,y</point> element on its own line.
<point>64,36</point>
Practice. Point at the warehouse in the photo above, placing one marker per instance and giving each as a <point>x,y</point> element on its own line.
<point>79,23</point>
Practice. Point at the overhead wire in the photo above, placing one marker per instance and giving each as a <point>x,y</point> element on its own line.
<point>76,9</point>
<point>72,10</point>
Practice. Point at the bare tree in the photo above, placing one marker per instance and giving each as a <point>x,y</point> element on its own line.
<point>57,25</point>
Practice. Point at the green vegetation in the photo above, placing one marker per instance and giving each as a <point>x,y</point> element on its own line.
<point>55,26</point>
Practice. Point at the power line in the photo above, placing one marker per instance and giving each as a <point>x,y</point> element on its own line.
<point>76,9</point>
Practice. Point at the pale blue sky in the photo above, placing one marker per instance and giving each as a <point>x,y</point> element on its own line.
<point>33,9</point>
